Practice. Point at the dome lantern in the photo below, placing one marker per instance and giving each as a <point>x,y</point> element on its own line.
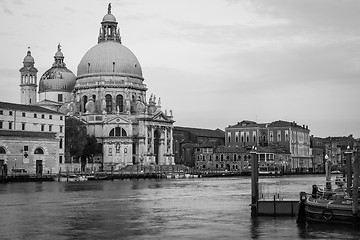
<point>108,30</point>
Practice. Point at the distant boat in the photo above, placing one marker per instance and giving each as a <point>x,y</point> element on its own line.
<point>72,178</point>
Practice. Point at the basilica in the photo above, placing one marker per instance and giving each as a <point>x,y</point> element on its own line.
<point>108,95</point>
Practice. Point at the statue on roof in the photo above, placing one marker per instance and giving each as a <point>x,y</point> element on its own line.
<point>109,8</point>
<point>59,47</point>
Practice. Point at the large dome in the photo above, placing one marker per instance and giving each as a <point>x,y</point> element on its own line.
<point>109,58</point>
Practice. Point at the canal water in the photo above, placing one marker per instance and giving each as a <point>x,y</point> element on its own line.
<point>202,208</point>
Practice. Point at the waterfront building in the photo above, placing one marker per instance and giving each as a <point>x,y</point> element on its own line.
<point>317,148</point>
<point>293,137</point>
<point>31,139</point>
<point>187,140</point>
<point>272,160</point>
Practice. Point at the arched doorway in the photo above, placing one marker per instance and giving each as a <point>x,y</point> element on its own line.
<point>157,135</point>
<point>39,163</point>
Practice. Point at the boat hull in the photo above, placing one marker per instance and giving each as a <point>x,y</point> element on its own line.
<point>330,211</point>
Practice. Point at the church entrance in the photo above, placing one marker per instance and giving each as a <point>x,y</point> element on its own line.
<point>156,145</point>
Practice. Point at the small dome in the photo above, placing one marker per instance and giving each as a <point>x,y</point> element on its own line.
<point>59,54</point>
<point>28,60</point>
<point>57,79</point>
<point>109,18</point>
<point>109,58</point>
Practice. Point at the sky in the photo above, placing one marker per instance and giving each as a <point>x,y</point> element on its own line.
<point>212,62</point>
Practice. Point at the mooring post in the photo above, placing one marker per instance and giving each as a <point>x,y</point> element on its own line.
<point>254,181</point>
<point>302,212</point>
<point>348,155</point>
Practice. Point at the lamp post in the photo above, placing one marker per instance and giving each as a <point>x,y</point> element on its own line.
<point>348,155</point>
<point>327,172</point>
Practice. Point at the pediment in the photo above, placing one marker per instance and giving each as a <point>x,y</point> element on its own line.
<point>117,120</point>
<point>160,116</point>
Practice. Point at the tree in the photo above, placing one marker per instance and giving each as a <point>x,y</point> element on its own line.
<point>75,137</point>
<point>91,148</point>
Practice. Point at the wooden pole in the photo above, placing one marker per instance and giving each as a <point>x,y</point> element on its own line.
<point>254,182</point>
<point>355,205</point>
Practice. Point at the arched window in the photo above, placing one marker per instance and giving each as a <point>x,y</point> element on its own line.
<point>2,150</point>
<point>108,100</point>
<point>123,133</point>
<point>117,132</point>
<point>119,103</point>
<point>39,151</point>
<point>84,103</point>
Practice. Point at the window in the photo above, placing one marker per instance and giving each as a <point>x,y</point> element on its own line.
<point>50,128</point>
<point>42,127</point>
<point>286,135</point>
<point>26,148</point>
<point>1,112</point>
<point>247,137</point>
<point>229,136</point>
<point>221,157</point>
<point>85,99</point>
<point>39,151</point>
<point>1,125</point>
<point>61,143</point>
<point>234,157</point>
<point>242,137</point>
<point>236,136</point>
<point>254,136</point>
<point>10,125</point>
<point>108,100</point>
<point>10,113</point>
<point>23,126</point>
<point>2,150</point>
<point>60,159</point>
<point>278,135</point>
<point>271,136</point>
<point>117,132</point>
<point>50,116</point>
<point>23,114</point>
<point>61,117</point>
<point>61,129</point>
<point>35,115</point>
<point>60,97</point>
<point>42,116</point>
<point>119,103</point>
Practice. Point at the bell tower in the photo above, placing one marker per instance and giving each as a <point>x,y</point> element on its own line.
<point>28,80</point>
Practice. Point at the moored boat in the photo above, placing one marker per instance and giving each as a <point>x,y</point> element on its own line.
<point>72,178</point>
<point>337,210</point>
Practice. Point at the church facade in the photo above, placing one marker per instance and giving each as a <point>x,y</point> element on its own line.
<point>109,96</point>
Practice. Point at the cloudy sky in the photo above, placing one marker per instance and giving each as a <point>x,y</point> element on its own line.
<point>213,62</point>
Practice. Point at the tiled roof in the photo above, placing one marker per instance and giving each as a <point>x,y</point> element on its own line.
<point>29,108</point>
<point>217,133</point>
<point>247,124</point>
<point>27,134</point>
